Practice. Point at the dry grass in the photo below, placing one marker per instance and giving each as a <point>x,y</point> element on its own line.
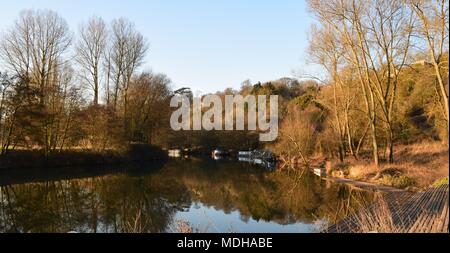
<point>362,171</point>
<point>424,162</point>
<point>418,165</point>
<point>380,219</point>
<point>376,220</point>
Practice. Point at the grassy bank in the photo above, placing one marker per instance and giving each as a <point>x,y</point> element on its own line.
<point>20,159</point>
<point>416,166</point>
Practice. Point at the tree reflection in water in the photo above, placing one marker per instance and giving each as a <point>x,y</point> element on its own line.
<point>148,200</point>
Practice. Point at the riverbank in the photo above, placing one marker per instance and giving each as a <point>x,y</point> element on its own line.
<point>416,167</point>
<point>363,185</point>
<point>26,159</point>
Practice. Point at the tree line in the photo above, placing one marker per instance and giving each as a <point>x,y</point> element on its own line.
<point>387,68</point>
<point>62,90</point>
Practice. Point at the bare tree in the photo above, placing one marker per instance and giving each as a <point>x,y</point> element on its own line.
<point>34,46</point>
<point>90,49</point>
<point>34,50</point>
<point>127,52</point>
<point>107,69</point>
<point>328,54</point>
<point>386,47</point>
<point>376,36</point>
<point>342,16</point>
<point>434,20</point>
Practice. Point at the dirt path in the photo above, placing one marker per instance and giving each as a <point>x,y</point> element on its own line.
<point>363,185</point>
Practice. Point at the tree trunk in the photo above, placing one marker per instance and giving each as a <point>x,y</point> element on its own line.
<point>374,144</point>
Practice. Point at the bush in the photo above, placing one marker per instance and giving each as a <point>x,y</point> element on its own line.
<point>339,170</point>
<point>441,182</point>
<point>400,181</point>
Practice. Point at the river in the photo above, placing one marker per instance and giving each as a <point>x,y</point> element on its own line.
<point>194,195</point>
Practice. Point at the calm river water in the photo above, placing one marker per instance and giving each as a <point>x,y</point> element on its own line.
<point>202,194</point>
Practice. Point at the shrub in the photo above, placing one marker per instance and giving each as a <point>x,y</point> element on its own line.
<point>400,181</point>
<point>441,182</point>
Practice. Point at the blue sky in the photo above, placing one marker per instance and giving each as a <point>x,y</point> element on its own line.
<point>206,45</point>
